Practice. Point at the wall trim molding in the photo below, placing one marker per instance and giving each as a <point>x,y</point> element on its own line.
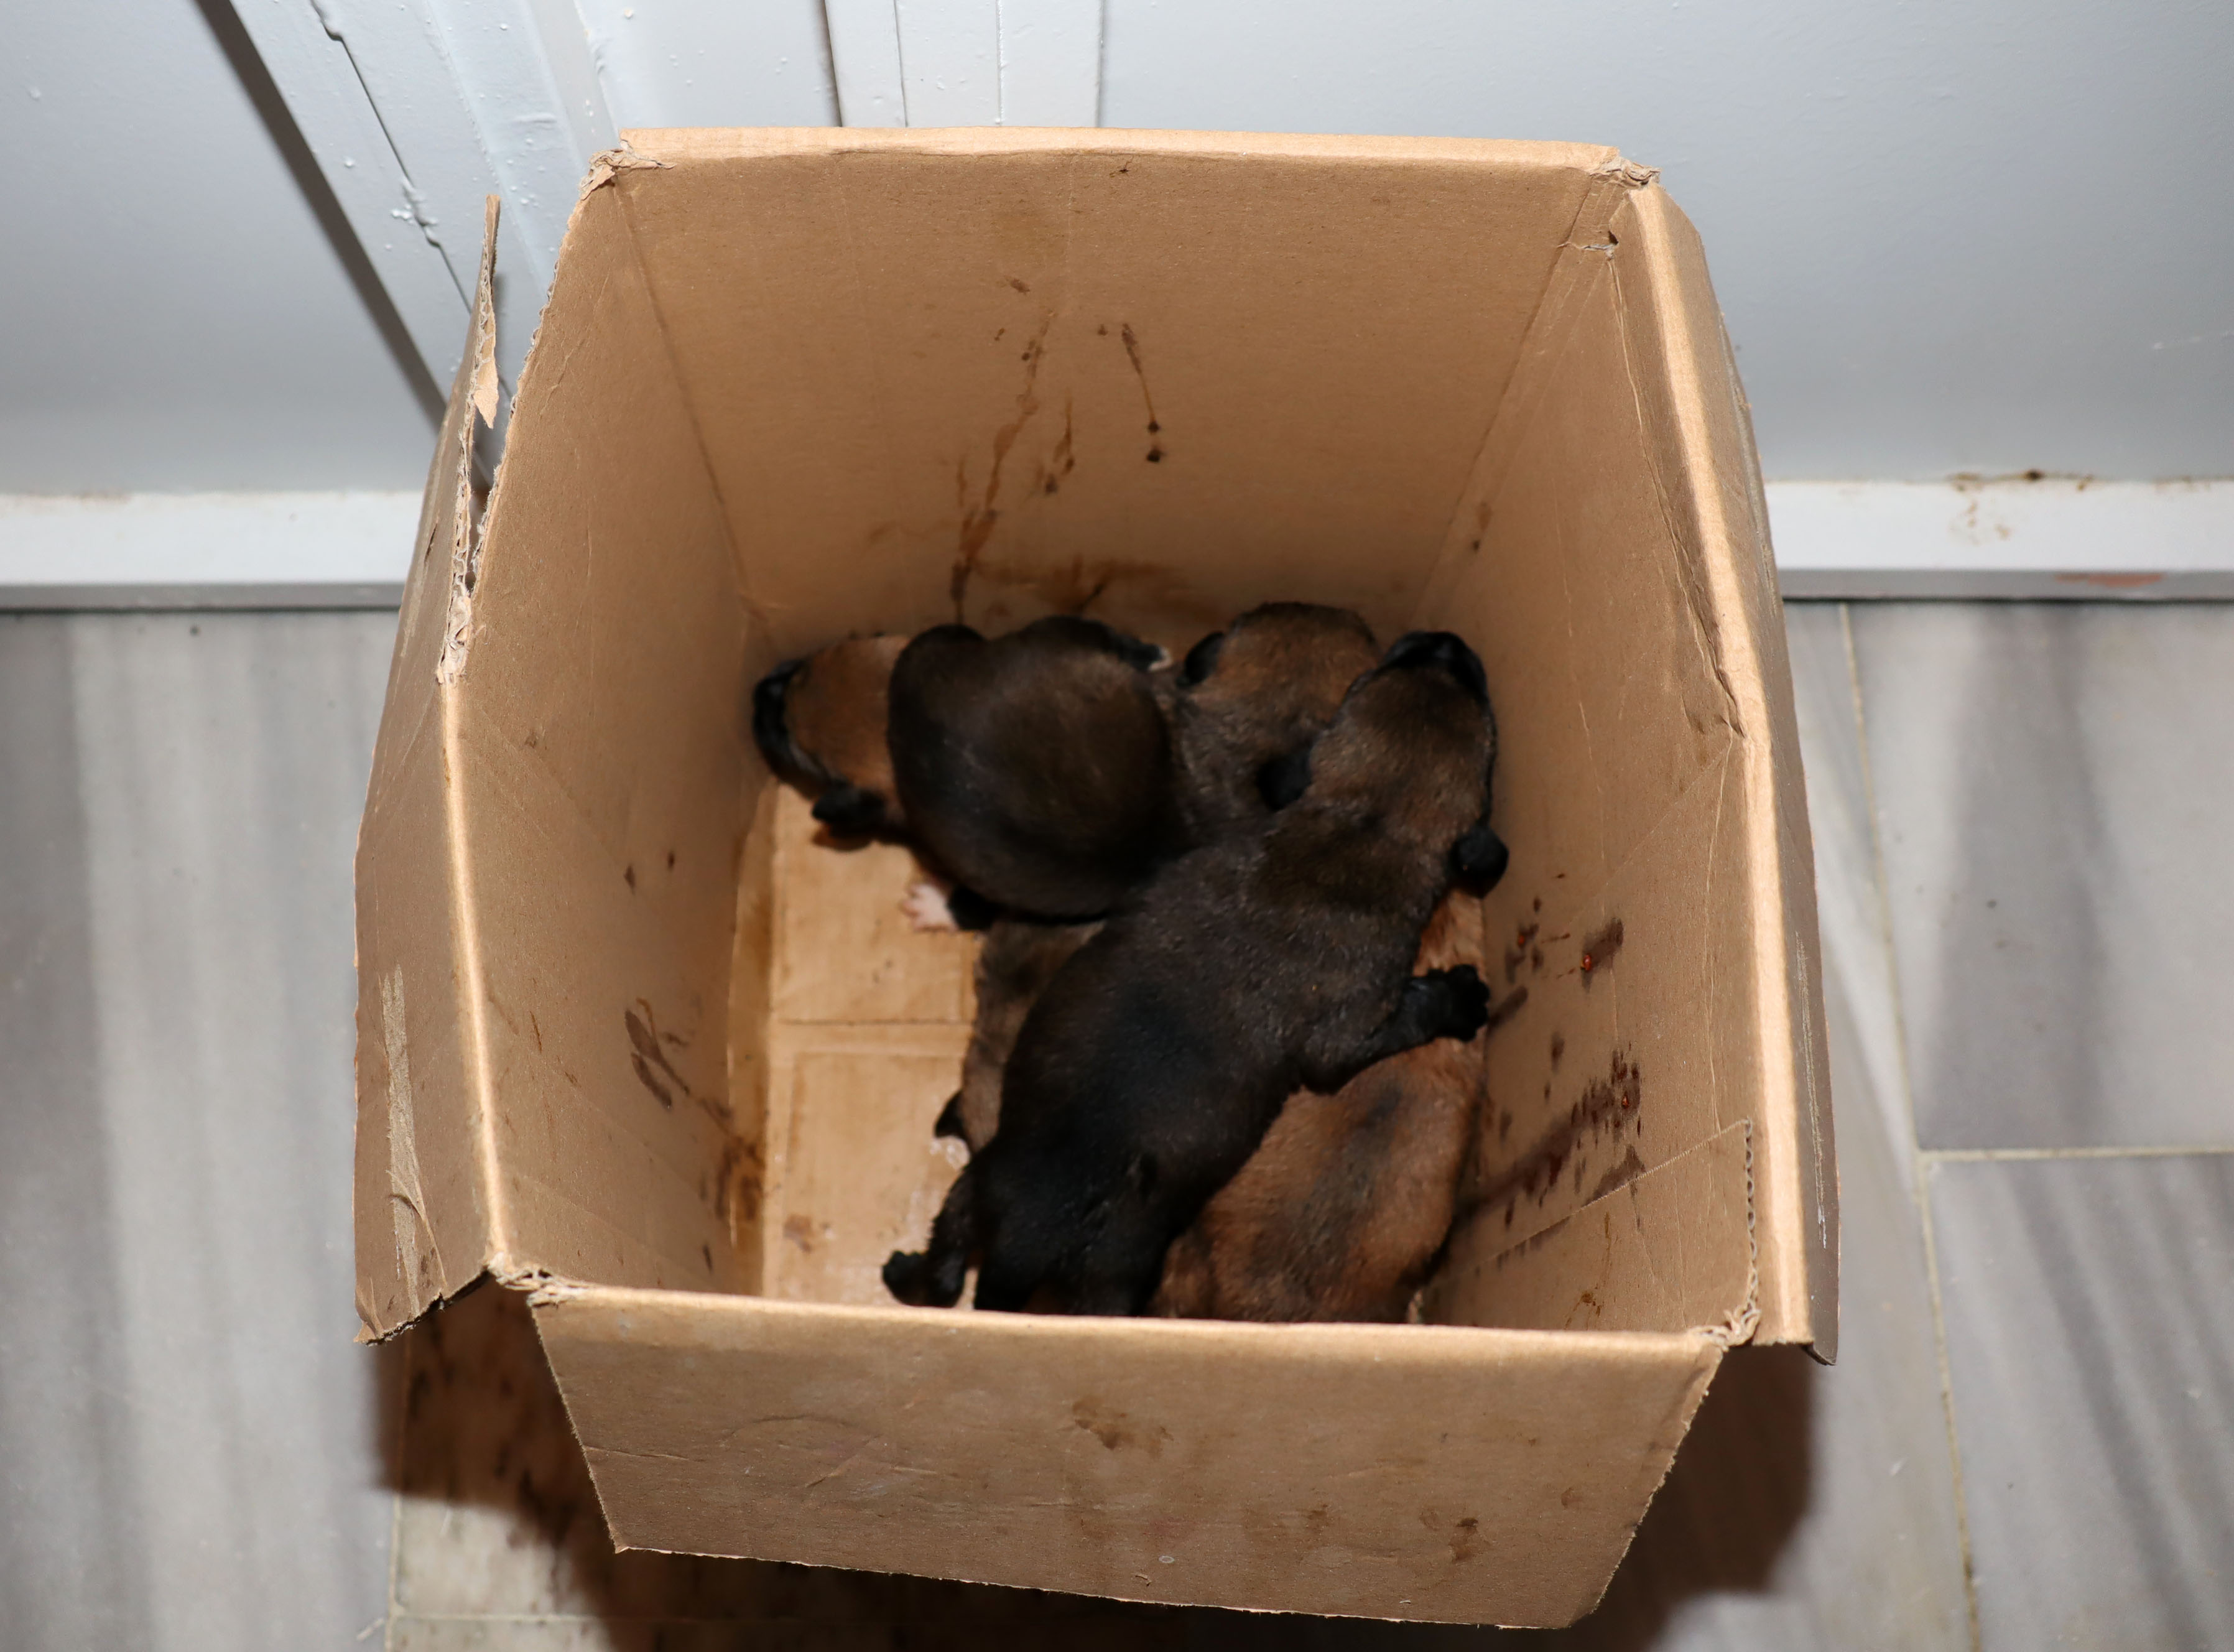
<point>2053,539</point>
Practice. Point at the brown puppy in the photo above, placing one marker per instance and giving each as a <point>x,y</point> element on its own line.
<point>1271,960</point>
<point>1339,1214</point>
<point>1247,702</point>
<point>1014,966</point>
<point>819,722</point>
<point>1034,768</point>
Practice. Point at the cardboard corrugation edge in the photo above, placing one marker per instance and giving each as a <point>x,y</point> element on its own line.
<point>1720,524</point>
<point>416,1246</point>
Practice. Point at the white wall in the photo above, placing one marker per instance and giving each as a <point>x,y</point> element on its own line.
<point>1950,235</point>
<point>1991,237</point>
<point>175,318</point>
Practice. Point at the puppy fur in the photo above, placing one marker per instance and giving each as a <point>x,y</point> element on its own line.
<point>1018,958</point>
<point>821,720</point>
<point>1247,702</point>
<point>1340,1211</point>
<point>1036,767</point>
<point>1272,960</point>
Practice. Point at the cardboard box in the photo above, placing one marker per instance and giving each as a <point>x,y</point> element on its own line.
<point>631,1042</point>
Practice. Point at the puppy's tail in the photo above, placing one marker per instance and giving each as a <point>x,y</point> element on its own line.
<point>933,1277</point>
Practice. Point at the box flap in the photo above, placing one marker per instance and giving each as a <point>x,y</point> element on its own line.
<point>1721,523</point>
<point>1275,1467</point>
<point>423,1228</point>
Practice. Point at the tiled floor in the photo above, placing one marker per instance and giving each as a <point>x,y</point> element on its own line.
<point>2017,817</point>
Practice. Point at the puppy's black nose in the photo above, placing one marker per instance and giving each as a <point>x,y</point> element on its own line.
<point>1439,652</point>
<point>771,728</point>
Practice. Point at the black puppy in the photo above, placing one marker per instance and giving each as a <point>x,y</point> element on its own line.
<point>1247,702</point>
<point>1269,961</point>
<point>1034,768</point>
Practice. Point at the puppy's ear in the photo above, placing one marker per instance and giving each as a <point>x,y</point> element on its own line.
<point>1143,657</point>
<point>1480,855</point>
<point>849,812</point>
<point>1286,777</point>
<point>1201,660</point>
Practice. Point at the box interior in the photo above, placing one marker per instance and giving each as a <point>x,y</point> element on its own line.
<point>794,386</point>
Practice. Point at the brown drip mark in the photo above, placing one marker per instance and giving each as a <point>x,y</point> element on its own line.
<point>1115,1429</point>
<point>653,1070</point>
<point>1517,954</point>
<point>1608,1103</point>
<point>1155,430</point>
<point>1598,950</point>
<point>1505,1009</point>
<point>1559,1048</point>
<point>977,519</point>
<point>1061,462</point>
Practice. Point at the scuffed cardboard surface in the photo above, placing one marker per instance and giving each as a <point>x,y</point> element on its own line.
<point>1273,1464</point>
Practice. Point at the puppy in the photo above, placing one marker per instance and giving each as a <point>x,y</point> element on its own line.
<point>1014,964</point>
<point>1247,702</point>
<point>1035,768</point>
<point>1272,960</point>
<point>1340,1211</point>
<point>820,721</point>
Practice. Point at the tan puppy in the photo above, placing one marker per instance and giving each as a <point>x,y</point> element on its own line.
<point>820,721</point>
<point>1340,1211</point>
<point>1014,967</point>
<point>1247,702</point>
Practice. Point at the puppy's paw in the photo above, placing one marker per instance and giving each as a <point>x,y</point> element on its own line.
<point>926,907</point>
<point>913,1277</point>
<point>1465,1006</point>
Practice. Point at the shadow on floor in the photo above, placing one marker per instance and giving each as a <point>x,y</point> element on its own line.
<point>499,1521</point>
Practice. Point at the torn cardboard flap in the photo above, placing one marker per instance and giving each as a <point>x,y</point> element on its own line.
<point>632,1039</point>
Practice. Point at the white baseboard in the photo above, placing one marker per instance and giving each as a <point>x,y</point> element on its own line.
<point>2053,538</point>
<point>206,550</point>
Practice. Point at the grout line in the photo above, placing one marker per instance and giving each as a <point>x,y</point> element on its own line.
<point>403,1403</point>
<point>1991,1155</point>
<point>1920,1165</point>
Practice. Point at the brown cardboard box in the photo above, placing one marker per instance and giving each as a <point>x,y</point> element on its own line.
<point>631,1042</point>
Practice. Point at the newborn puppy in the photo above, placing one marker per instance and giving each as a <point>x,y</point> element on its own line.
<point>1017,960</point>
<point>1248,701</point>
<point>1272,960</point>
<point>1034,768</point>
<point>819,722</point>
<point>1340,1212</point>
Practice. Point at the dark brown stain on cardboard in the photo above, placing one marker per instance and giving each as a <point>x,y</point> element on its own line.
<point>1606,1104</point>
<point>1466,1539</point>
<point>1116,1430</point>
<point>799,1230</point>
<point>1559,1048</point>
<point>977,518</point>
<point>648,1060</point>
<point>1505,1009</point>
<point>1517,954</point>
<point>1074,587</point>
<point>1061,462</point>
<point>1631,1167</point>
<point>1020,286</point>
<point>1598,950</point>
<point>1155,428</point>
